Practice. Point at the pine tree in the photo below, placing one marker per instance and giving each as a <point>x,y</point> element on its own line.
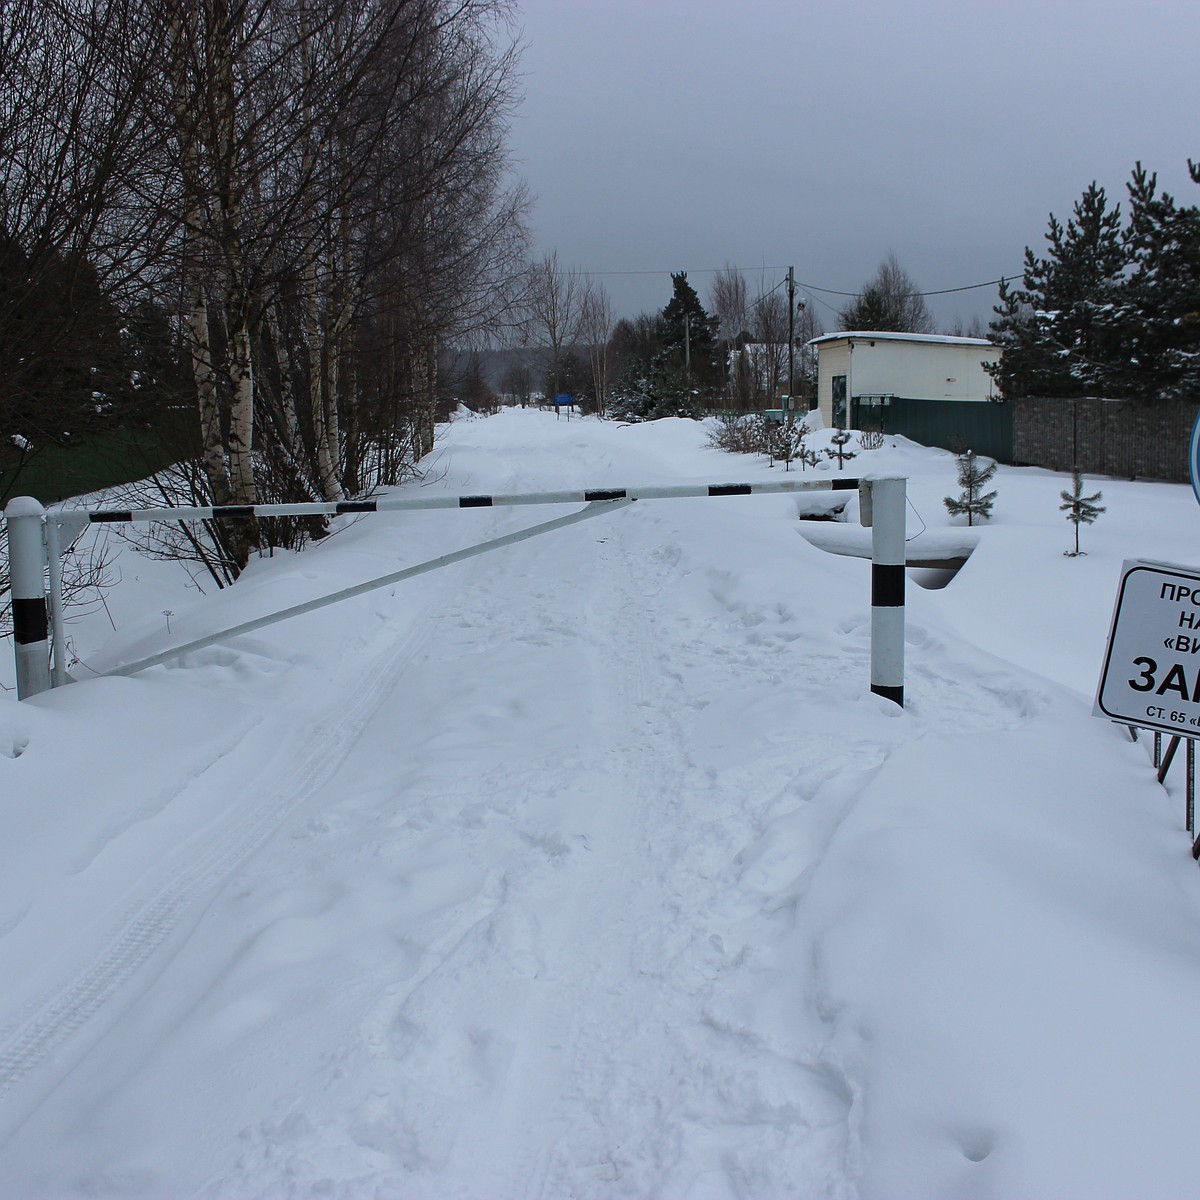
<point>1156,321</point>
<point>972,478</point>
<point>1056,330</point>
<point>1080,509</point>
<point>666,360</point>
<point>839,450</point>
<point>689,337</point>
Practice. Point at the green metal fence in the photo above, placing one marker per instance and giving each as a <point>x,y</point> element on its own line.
<point>957,425</point>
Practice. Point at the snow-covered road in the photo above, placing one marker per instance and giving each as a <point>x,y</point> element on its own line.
<point>589,868</point>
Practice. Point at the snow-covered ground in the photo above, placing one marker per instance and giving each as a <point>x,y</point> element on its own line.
<point>591,868</point>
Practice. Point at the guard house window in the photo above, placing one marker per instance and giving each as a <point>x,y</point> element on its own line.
<point>839,401</point>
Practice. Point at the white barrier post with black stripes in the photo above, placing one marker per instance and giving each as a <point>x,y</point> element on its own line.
<point>27,582</point>
<point>888,502</point>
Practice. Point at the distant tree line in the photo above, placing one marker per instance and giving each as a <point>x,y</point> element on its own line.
<point>1112,309</point>
<point>273,215</point>
<point>682,360</point>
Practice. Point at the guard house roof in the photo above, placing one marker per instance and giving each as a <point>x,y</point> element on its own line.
<point>936,339</point>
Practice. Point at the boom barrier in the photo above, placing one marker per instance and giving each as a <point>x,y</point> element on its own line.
<point>35,538</point>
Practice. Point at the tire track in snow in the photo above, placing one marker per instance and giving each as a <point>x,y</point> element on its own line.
<point>65,1011</point>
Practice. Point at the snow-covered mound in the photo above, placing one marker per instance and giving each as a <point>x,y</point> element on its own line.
<point>592,868</point>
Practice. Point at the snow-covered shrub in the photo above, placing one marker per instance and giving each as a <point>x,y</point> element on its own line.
<point>737,433</point>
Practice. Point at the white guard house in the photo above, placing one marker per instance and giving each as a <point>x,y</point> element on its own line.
<point>869,366</point>
<point>922,385</point>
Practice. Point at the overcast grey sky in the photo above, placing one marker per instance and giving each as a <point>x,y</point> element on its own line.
<point>661,135</point>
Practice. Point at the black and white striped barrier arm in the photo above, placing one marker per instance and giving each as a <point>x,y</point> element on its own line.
<point>595,509</point>
<point>888,502</point>
<point>26,520</point>
<point>408,503</point>
<point>27,581</point>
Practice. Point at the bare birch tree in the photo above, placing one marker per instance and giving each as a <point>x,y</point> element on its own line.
<point>596,320</point>
<point>556,297</point>
<point>769,365</point>
<point>317,195</point>
<point>729,301</point>
<point>889,301</point>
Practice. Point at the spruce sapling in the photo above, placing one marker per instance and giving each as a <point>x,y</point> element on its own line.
<point>1080,509</point>
<point>771,442</point>
<point>760,435</point>
<point>789,443</point>
<point>839,451</point>
<point>972,478</point>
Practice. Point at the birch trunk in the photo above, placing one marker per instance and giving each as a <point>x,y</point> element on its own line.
<point>241,372</point>
<point>289,419</point>
<point>228,154</point>
<point>216,468</point>
<point>424,389</point>
<point>334,336</point>
<point>354,448</point>
<point>319,400</point>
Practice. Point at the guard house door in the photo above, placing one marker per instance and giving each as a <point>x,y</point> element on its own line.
<point>839,401</point>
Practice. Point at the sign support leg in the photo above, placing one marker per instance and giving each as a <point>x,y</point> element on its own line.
<point>1168,758</point>
<point>1191,785</point>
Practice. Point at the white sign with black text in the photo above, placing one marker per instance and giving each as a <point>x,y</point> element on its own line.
<point>1151,674</point>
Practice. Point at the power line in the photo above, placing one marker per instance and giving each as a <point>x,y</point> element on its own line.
<point>969,287</point>
<point>808,287</point>
<point>693,271</point>
<point>832,308</point>
<point>767,295</point>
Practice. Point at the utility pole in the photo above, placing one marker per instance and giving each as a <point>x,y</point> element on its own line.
<point>687,346</point>
<point>791,340</point>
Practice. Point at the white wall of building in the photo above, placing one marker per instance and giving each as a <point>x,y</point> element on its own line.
<point>833,358</point>
<point>910,365</point>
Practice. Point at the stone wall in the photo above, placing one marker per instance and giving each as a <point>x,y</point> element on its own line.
<point>1104,437</point>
